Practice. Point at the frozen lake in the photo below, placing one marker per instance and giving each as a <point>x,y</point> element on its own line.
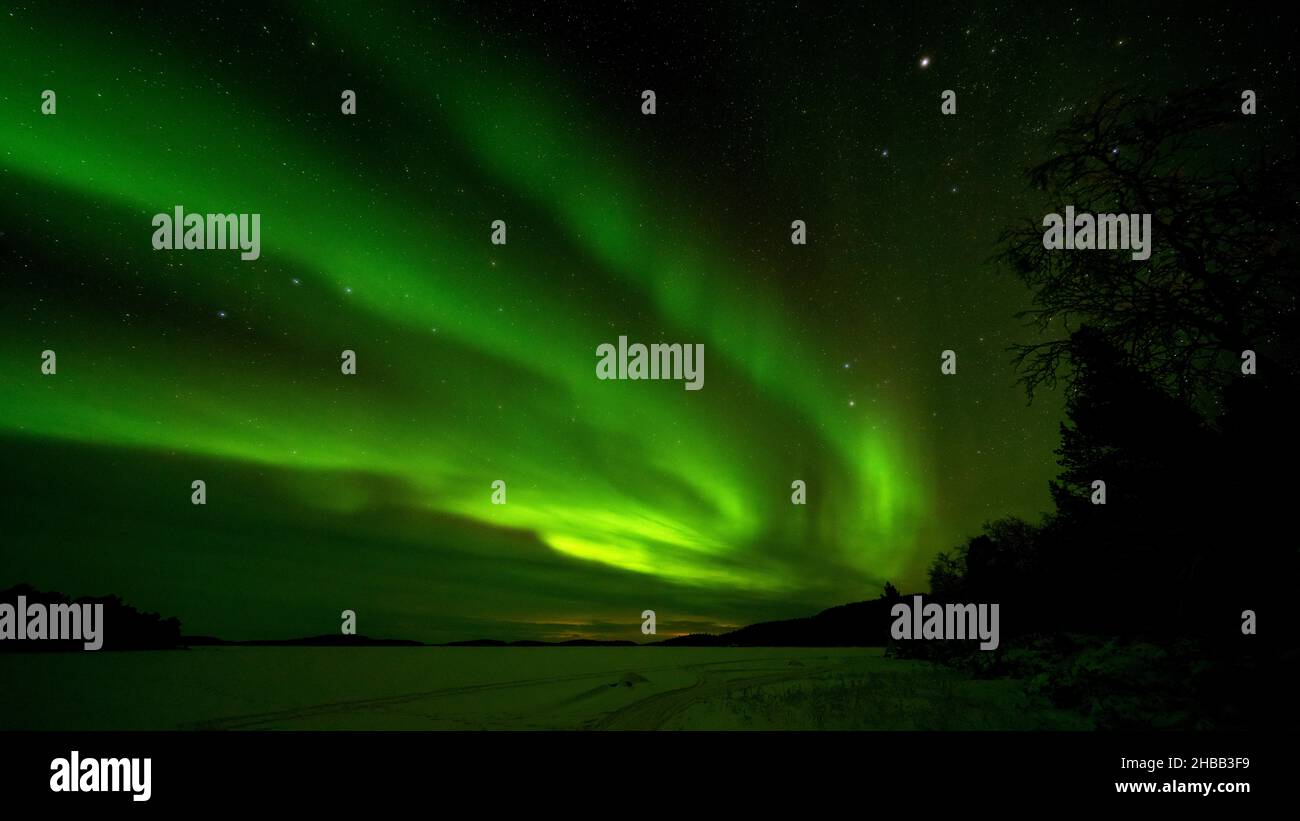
<point>517,688</point>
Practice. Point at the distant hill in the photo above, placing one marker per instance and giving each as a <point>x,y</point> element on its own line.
<point>308,641</point>
<point>366,641</point>
<point>860,624</point>
<point>569,643</point>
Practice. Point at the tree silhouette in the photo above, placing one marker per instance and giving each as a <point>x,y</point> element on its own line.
<point>123,628</point>
<point>1221,276</point>
<point>1158,407</point>
<point>1194,452</point>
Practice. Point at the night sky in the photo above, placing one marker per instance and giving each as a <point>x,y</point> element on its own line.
<point>476,362</point>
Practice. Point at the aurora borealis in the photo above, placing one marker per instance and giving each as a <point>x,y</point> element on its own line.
<point>475,362</point>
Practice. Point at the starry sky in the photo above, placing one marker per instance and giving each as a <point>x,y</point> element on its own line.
<point>476,362</point>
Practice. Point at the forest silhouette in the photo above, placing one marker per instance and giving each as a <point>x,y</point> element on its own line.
<point>1135,608</point>
<point>123,627</point>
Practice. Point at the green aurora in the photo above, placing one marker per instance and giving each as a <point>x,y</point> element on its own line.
<point>477,362</point>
